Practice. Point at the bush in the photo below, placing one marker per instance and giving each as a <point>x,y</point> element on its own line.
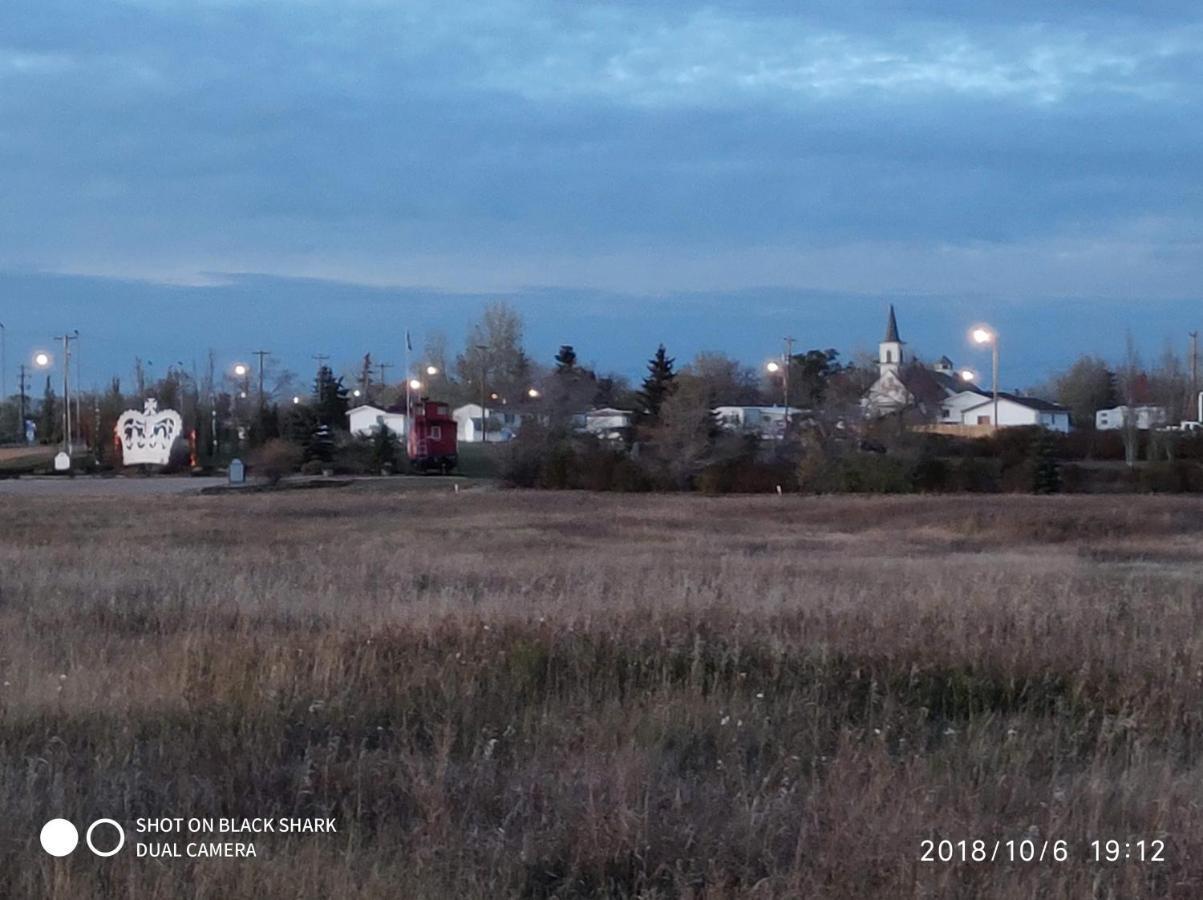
<point>553,459</point>
<point>1179,477</point>
<point>352,457</point>
<point>275,459</point>
<point>861,473</point>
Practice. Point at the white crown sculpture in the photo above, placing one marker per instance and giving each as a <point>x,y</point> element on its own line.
<point>148,436</point>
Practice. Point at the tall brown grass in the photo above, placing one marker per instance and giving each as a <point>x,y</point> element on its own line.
<point>533,695</point>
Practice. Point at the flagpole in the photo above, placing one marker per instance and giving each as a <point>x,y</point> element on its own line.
<point>408,403</point>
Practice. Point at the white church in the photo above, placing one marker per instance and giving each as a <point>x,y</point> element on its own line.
<point>940,394</point>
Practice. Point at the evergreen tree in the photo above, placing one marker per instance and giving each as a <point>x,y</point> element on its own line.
<point>566,359</point>
<point>1046,474</point>
<point>386,448</point>
<point>299,425</point>
<point>657,385</point>
<point>330,399</point>
<point>321,444</point>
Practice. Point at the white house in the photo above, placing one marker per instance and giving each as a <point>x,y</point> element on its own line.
<point>952,410</point>
<point>607,423</point>
<point>768,422</point>
<point>366,420</point>
<point>1146,417</point>
<point>503,425</point>
<point>1015,410</point>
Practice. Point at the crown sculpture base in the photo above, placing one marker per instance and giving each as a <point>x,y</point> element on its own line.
<point>147,437</point>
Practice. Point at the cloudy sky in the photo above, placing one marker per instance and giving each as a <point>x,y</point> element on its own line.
<point>313,176</point>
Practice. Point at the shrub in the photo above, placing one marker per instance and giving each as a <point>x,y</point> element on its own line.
<point>861,473</point>
<point>275,459</point>
<point>355,456</point>
<point>1179,477</point>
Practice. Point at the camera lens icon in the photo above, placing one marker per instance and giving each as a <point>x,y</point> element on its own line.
<point>120,838</point>
<point>60,837</point>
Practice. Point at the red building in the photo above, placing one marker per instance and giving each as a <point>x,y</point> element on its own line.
<point>432,442</point>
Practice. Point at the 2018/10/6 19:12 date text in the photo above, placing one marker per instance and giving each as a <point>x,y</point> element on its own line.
<point>1035,850</point>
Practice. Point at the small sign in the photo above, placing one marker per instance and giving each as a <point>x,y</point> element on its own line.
<point>62,463</point>
<point>237,472</point>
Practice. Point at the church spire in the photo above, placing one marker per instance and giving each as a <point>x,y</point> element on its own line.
<point>892,328</point>
<point>889,353</point>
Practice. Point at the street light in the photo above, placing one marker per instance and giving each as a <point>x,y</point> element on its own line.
<point>296,401</point>
<point>42,359</point>
<point>983,334</point>
<point>968,375</point>
<point>432,370</point>
<point>415,385</point>
<point>240,370</point>
<point>533,393</point>
<point>773,366</point>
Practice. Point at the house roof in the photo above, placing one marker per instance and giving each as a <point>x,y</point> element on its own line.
<point>1030,402</point>
<point>609,411</point>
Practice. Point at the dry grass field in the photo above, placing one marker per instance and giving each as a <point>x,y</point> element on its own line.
<point>539,695</point>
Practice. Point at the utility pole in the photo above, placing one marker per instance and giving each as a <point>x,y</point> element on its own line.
<point>261,354</point>
<point>789,361</point>
<point>67,339</point>
<point>382,366</point>
<point>789,364</point>
<point>3,376</point>
<point>1194,372</point>
<point>79,420</point>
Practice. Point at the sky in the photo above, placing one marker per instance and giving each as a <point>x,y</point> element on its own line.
<point>317,176</point>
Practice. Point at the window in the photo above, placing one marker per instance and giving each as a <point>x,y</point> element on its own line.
<point>436,433</point>
<point>945,412</point>
<point>983,420</point>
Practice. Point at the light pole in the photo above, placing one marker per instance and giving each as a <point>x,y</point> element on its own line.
<point>241,370</point>
<point>775,368</point>
<point>3,375</point>
<point>22,436</point>
<point>41,360</point>
<point>983,334</point>
<point>484,411</point>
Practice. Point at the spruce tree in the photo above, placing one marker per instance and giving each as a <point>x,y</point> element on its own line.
<point>566,359</point>
<point>657,385</point>
<point>330,399</point>
<point>1046,474</point>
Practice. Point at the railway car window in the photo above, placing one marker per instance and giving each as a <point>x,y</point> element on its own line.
<point>436,432</point>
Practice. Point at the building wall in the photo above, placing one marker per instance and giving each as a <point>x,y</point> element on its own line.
<point>1012,415</point>
<point>366,421</point>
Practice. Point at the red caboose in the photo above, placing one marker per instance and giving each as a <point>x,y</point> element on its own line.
<point>432,442</point>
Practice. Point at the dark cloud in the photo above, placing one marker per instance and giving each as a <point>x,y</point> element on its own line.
<point>1017,150</point>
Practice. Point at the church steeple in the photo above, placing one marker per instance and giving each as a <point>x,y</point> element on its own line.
<point>889,358</point>
<point>892,328</point>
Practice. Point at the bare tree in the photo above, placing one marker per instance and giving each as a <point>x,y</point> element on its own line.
<point>1130,375</point>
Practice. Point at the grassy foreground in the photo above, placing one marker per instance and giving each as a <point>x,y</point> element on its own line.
<point>566,695</point>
